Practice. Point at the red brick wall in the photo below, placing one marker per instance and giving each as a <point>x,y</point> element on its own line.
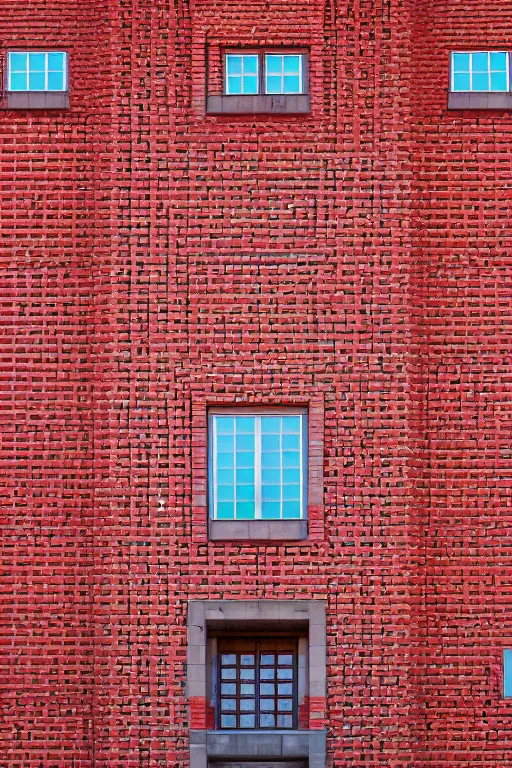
<point>154,257</point>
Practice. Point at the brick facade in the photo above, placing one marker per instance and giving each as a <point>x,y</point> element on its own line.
<point>154,257</point>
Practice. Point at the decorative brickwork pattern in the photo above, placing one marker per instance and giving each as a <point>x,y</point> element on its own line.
<point>153,256</point>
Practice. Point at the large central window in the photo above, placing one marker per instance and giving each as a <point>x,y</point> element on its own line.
<point>257,685</point>
<point>257,465</point>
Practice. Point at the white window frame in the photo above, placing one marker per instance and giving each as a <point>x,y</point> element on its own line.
<point>46,72</point>
<point>489,71</point>
<point>266,54</point>
<point>212,459</point>
<point>241,55</point>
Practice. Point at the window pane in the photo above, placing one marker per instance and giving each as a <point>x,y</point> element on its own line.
<point>244,476</point>
<point>247,659</point>
<point>234,85</point>
<point>37,62</point>
<point>291,459</point>
<point>284,721</point>
<point>267,689</point>
<point>247,705</point>
<point>271,460</point>
<point>225,443</point>
<point>55,81</point>
<point>270,442</point>
<point>56,62</point>
<point>225,493</point>
<point>284,705</point>
<point>285,689</point>
<point>291,492</point>
<point>245,493</point>
<point>460,62</point>
<point>247,689</point>
<point>268,658</point>
<point>292,65</point>
<point>228,674</point>
<point>267,721</point>
<point>245,510</point>
<point>285,674</point>
<point>480,62</point>
<point>245,460</point>
<point>229,658</point>
<point>247,674</point>
<point>271,510</point>
<point>228,705</point>
<point>245,442</point>
<point>228,689</point>
<point>291,510</point>
<point>36,81</point>
<point>18,62</point>
<point>461,82</point>
<point>226,510</point>
<point>18,82</point>
<point>274,64</point>
<point>250,65</point>
<point>498,81</point>
<point>480,82</point>
<point>225,461</point>
<point>291,425</point>
<point>507,672</point>
<point>234,65</point>
<point>225,426</point>
<point>271,493</point>
<point>271,476</point>
<point>291,442</point>
<point>267,674</point>
<point>228,721</point>
<point>291,476</point>
<point>247,721</point>
<point>245,424</point>
<point>285,658</point>
<point>291,84</point>
<point>267,705</point>
<point>225,476</point>
<point>498,62</point>
<point>270,425</point>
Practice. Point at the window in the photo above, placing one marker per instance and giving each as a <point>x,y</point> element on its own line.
<point>507,673</point>
<point>37,71</point>
<point>257,465</point>
<point>480,71</point>
<point>264,73</point>
<point>257,683</point>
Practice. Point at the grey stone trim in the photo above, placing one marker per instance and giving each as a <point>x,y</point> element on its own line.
<point>259,615</point>
<point>37,100</point>
<point>259,104</point>
<point>248,745</point>
<point>479,100</point>
<point>260,764</point>
<point>258,530</point>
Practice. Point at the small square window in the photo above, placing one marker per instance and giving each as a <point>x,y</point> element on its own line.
<point>283,73</point>
<point>507,673</point>
<point>242,74</point>
<point>480,72</point>
<point>30,71</point>
<point>257,466</point>
<point>253,73</point>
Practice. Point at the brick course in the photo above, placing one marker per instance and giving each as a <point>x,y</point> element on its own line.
<point>154,257</point>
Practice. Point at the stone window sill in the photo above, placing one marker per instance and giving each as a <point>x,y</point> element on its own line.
<point>248,745</point>
<point>479,100</point>
<point>37,100</point>
<point>258,530</point>
<point>292,104</point>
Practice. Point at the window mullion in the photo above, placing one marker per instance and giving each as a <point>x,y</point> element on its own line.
<point>257,466</point>
<point>46,71</point>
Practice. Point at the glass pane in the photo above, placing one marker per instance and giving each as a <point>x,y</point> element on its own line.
<point>291,425</point>
<point>234,85</point>
<point>270,425</point>
<point>461,82</point>
<point>480,62</point>
<point>292,510</point>
<point>507,672</point>
<point>55,81</point>
<point>226,510</point>
<point>291,459</point>
<point>247,660</point>
<point>291,84</point>
<point>228,658</point>
<point>245,476</point>
<point>37,62</point>
<point>274,64</point>
<point>267,721</point>
<point>480,82</point>
<point>36,81</point>
<point>285,689</point>
<point>268,658</point>
<point>18,82</point>
<point>284,721</point>
<point>247,721</point>
<point>270,460</point>
<point>266,674</point>
<point>225,461</point>
<point>225,477</point>
<point>271,442</point>
<point>250,65</point>
<point>291,442</point>
<point>245,493</point>
<point>228,705</point>
<point>284,705</point>
<point>271,510</point>
<point>498,81</point>
<point>250,84</point>
<point>498,62</point>
<point>245,442</point>
<point>245,460</point>
<point>285,674</point>
<point>225,425</point>
<point>228,689</point>
<point>18,62</point>
<point>292,65</point>
<point>271,493</point>
<point>245,510</point>
<point>267,689</point>
<point>56,62</point>
<point>245,424</point>
<point>267,705</point>
<point>291,492</point>
<point>271,477</point>
<point>225,443</point>
<point>291,476</point>
<point>460,62</point>
<point>228,721</point>
<point>247,705</point>
<point>247,674</point>
<point>225,493</point>
<point>247,689</point>
<point>285,658</point>
<point>234,65</point>
<point>228,674</point>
